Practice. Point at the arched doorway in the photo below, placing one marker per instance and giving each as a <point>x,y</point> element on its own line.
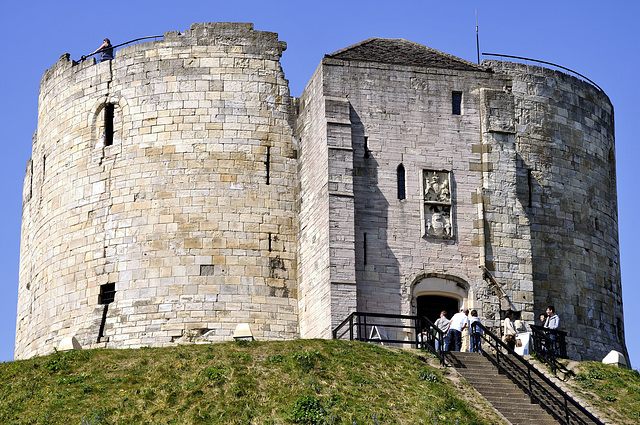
<point>430,306</point>
<point>433,293</point>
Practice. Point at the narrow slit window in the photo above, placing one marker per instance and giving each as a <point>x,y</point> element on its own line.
<point>456,103</point>
<point>364,248</point>
<point>267,164</point>
<point>401,182</point>
<point>366,147</point>
<point>530,186</point>
<point>108,124</point>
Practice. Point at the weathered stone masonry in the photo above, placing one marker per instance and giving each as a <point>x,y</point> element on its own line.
<point>401,174</point>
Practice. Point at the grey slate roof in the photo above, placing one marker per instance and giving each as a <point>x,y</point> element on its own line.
<point>402,52</point>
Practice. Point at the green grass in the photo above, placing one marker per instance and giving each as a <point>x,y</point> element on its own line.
<point>304,381</point>
<point>613,391</point>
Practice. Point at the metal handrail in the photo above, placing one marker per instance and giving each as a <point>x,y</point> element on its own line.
<point>426,333</point>
<point>549,396</point>
<point>546,63</point>
<point>549,345</point>
<point>121,44</point>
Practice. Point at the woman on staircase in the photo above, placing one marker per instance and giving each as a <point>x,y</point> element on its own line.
<point>509,330</point>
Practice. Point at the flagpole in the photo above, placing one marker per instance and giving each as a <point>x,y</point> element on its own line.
<point>477,38</point>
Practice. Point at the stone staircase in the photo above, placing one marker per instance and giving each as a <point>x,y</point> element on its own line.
<point>505,396</point>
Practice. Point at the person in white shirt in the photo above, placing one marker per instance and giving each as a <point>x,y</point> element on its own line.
<point>459,321</point>
<point>509,330</point>
<point>553,320</point>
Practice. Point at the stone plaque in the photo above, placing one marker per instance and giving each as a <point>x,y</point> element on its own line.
<point>437,204</point>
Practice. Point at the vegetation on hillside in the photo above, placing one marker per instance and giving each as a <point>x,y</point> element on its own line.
<point>613,391</point>
<point>292,382</point>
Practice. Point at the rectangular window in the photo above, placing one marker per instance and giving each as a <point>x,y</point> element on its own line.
<point>456,103</point>
<point>107,293</point>
<point>402,194</point>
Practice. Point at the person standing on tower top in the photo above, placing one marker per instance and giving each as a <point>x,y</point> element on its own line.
<point>106,49</point>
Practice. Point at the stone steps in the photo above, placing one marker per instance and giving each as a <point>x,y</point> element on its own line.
<point>505,396</point>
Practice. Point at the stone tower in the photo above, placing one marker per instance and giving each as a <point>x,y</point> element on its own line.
<point>447,184</point>
<point>177,191</point>
<point>183,203</point>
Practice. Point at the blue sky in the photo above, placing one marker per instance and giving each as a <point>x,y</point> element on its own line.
<point>595,38</point>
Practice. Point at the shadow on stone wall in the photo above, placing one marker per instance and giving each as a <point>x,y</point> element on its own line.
<point>377,269</point>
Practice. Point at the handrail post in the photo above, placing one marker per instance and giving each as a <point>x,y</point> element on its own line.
<point>415,328</point>
<point>351,327</point>
<point>366,335</point>
<point>531,398</point>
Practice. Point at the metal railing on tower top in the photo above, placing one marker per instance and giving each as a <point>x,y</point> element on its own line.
<point>546,63</point>
<point>155,37</point>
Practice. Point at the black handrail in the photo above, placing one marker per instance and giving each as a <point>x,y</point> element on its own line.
<point>121,44</point>
<point>546,63</point>
<point>549,345</point>
<point>540,390</point>
<point>359,327</point>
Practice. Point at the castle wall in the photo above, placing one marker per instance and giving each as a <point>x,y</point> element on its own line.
<point>182,176</point>
<point>404,113</point>
<point>313,277</point>
<point>518,213</point>
<point>566,183</point>
<point>177,212</point>
<point>506,238</point>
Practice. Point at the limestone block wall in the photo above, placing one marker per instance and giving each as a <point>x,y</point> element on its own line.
<point>565,157</point>
<point>402,115</point>
<point>186,206</point>
<point>177,190</point>
<point>326,256</point>
<point>313,258</point>
<point>507,236</point>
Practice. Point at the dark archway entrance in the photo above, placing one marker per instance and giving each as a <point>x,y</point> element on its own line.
<point>430,306</point>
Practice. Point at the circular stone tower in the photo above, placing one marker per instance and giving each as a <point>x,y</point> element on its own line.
<point>562,149</point>
<point>159,202</point>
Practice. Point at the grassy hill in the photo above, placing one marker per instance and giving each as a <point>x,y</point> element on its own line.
<point>303,381</point>
<point>612,391</point>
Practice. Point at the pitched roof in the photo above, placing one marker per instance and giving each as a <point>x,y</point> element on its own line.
<point>402,52</point>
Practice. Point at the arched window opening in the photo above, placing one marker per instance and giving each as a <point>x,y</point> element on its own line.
<point>401,182</point>
<point>108,124</point>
